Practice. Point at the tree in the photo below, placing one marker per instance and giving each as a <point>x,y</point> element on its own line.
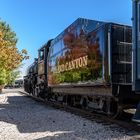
<point>10,56</point>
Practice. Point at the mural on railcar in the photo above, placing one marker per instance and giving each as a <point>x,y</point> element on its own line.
<point>76,58</point>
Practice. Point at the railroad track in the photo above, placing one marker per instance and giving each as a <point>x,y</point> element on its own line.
<point>124,122</point>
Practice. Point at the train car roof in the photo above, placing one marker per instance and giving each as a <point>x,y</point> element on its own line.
<point>84,23</point>
<point>89,24</point>
<point>119,24</point>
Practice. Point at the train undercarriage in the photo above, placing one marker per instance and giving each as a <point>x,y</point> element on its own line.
<point>98,99</point>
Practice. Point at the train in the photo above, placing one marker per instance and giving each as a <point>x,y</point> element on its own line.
<point>91,64</point>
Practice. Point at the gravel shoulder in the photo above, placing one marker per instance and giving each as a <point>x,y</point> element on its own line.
<point>22,118</point>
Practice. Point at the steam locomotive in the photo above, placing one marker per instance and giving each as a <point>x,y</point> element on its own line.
<point>88,65</point>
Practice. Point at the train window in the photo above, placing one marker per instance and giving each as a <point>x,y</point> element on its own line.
<point>41,55</point>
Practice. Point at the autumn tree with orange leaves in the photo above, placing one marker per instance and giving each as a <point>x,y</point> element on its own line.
<point>10,56</point>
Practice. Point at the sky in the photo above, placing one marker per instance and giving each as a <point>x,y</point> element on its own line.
<point>37,21</point>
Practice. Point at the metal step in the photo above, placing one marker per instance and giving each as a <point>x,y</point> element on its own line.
<point>124,62</point>
<point>125,44</point>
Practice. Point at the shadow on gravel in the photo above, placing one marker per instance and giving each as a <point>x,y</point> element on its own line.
<point>31,116</point>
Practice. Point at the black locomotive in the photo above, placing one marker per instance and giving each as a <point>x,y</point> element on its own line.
<point>88,65</point>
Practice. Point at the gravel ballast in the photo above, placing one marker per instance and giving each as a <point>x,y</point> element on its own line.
<point>22,118</point>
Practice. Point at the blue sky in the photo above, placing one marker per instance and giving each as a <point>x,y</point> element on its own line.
<point>36,21</point>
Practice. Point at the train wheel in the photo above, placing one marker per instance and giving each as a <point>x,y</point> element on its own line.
<point>71,100</point>
<point>84,103</point>
<point>118,112</point>
<point>113,109</point>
